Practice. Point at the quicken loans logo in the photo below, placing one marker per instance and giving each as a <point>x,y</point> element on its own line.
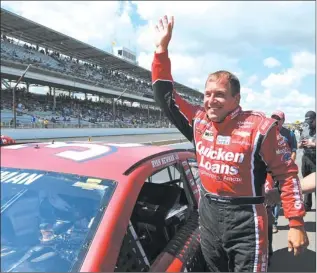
<point>208,154</point>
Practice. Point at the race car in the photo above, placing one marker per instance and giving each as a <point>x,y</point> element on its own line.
<point>97,207</point>
<point>5,140</point>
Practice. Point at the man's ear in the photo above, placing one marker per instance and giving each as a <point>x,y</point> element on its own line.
<point>237,98</point>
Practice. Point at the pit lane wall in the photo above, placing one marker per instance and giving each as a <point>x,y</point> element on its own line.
<point>29,134</point>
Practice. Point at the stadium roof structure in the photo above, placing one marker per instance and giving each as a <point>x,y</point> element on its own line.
<point>26,30</point>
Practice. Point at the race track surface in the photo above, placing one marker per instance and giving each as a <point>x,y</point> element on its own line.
<point>282,260</point>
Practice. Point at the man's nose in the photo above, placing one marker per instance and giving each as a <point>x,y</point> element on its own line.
<point>211,99</point>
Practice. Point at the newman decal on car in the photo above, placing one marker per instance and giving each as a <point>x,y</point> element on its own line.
<point>24,178</point>
<point>164,160</point>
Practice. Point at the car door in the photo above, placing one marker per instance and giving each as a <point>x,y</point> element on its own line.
<point>165,215</point>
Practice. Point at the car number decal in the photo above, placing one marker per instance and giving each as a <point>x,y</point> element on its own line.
<point>93,150</point>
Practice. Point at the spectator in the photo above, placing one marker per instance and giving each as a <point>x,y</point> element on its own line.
<point>307,141</point>
<point>46,123</point>
<point>289,138</point>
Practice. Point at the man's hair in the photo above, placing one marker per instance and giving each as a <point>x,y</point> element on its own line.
<point>234,83</point>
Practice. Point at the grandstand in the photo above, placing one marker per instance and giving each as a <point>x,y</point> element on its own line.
<point>76,67</point>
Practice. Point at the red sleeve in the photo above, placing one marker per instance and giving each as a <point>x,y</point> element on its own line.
<point>179,111</point>
<point>277,156</point>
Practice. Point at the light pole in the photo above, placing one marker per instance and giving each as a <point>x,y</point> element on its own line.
<point>13,93</point>
<point>114,106</point>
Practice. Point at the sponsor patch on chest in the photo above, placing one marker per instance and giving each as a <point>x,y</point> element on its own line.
<point>223,140</point>
<point>242,133</point>
<point>208,135</point>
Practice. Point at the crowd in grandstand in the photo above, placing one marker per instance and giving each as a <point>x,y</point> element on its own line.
<point>40,110</point>
<point>22,52</point>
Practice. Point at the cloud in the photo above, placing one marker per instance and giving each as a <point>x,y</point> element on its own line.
<point>96,23</point>
<point>226,28</point>
<point>295,104</point>
<point>303,64</point>
<point>223,30</point>
<point>252,80</point>
<point>195,68</point>
<point>271,62</point>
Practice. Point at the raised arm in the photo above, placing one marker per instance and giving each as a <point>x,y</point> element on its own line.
<point>179,111</point>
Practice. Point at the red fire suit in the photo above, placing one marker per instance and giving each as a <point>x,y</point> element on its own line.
<point>233,157</point>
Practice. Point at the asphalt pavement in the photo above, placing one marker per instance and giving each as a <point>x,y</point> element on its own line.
<point>282,260</point>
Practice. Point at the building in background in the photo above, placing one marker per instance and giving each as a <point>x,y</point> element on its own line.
<point>125,54</point>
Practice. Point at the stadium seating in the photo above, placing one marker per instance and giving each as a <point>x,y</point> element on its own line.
<point>69,109</point>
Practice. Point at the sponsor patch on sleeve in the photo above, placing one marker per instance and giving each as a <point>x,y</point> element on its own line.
<point>266,125</point>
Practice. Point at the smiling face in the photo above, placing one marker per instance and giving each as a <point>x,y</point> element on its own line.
<point>222,95</point>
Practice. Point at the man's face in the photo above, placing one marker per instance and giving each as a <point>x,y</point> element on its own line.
<point>218,99</point>
<point>311,122</point>
<point>279,120</point>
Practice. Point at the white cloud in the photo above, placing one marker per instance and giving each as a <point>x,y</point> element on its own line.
<point>95,22</point>
<point>303,64</point>
<point>225,27</point>
<point>271,62</point>
<point>252,80</point>
<point>295,104</point>
<point>190,70</point>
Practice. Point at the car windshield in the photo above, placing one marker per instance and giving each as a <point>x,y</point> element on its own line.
<point>49,219</point>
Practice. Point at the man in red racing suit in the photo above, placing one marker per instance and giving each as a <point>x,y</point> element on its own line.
<point>233,155</point>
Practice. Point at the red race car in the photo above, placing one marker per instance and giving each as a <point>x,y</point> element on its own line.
<point>5,140</point>
<point>94,206</point>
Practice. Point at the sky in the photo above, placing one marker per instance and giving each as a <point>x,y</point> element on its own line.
<point>269,45</point>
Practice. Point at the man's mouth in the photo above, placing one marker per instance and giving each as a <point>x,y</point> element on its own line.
<point>213,108</point>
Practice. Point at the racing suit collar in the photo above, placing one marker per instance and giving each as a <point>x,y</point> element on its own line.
<point>228,118</point>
